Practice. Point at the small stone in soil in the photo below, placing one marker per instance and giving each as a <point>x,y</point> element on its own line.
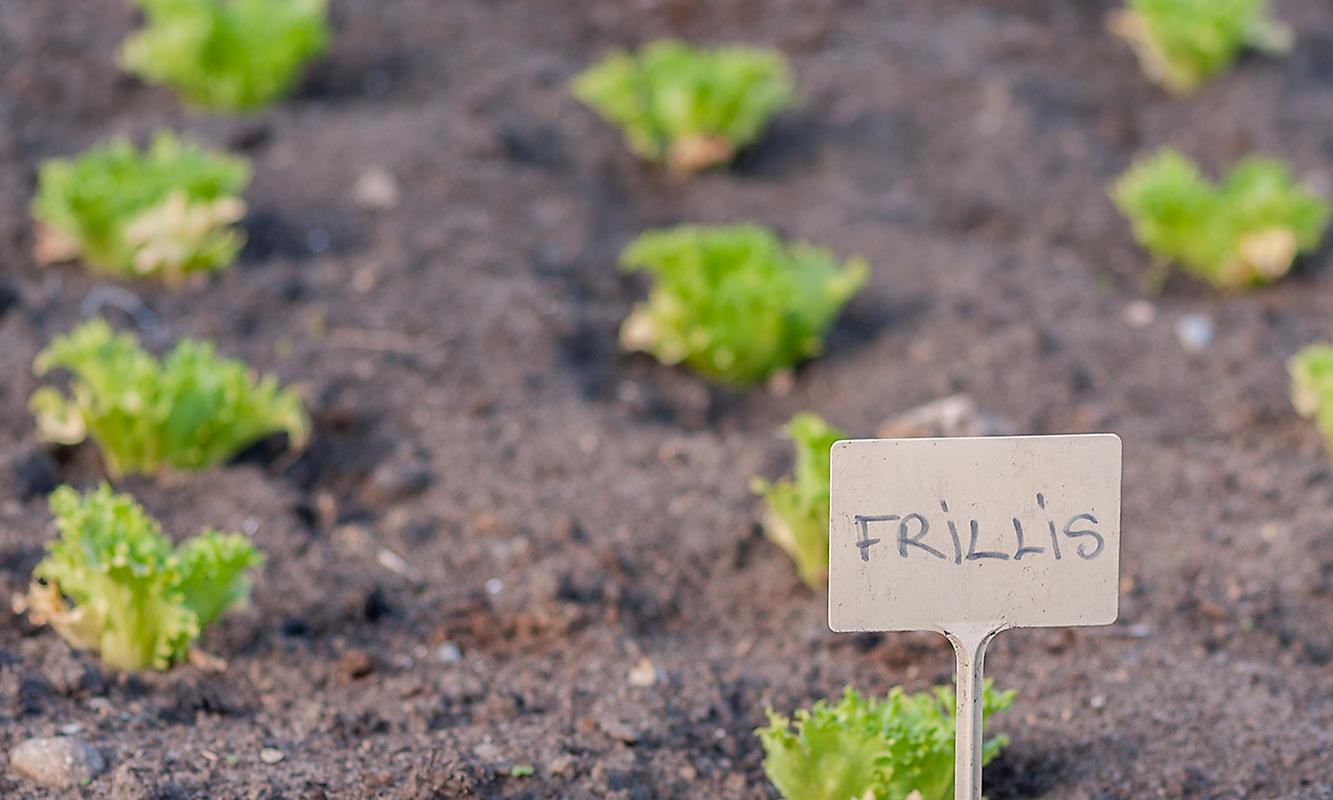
<point>1195,332</point>
<point>643,674</point>
<point>271,755</point>
<point>396,479</point>
<point>1139,314</point>
<point>561,766</point>
<point>355,664</point>
<point>619,731</point>
<point>957,415</point>
<point>58,761</point>
<point>376,190</point>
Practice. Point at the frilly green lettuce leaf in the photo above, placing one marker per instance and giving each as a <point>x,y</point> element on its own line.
<point>1182,43</point>
<point>864,748</point>
<point>734,303</point>
<point>1246,231</point>
<point>191,410</point>
<point>168,211</point>
<point>691,108</point>
<point>798,507</point>
<point>112,583</point>
<point>232,55</point>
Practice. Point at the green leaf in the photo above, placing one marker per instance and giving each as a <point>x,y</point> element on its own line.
<point>191,410</point>
<point>691,108</point>
<point>1311,372</point>
<point>213,569</point>
<point>733,302</point>
<point>1247,231</point>
<point>798,508</point>
<point>232,55</point>
<point>1182,43</point>
<point>870,749</point>
<point>137,602</point>
<point>166,212</point>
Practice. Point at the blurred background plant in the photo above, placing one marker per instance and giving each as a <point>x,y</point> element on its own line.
<point>229,55</point>
<point>734,303</point>
<point>690,108</point>
<point>165,212</point>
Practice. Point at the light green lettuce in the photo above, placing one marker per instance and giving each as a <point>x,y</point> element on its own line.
<point>166,212</point>
<point>1182,43</point>
<point>798,507</point>
<point>232,55</point>
<point>864,748</point>
<point>734,303</point>
<point>690,108</point>
<point>137,602</point>
<point>1246,231</point>
<point>190,410</point>
<point>1311,372</point>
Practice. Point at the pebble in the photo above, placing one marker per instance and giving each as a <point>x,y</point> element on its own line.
<point>271,755</point>
<point>1139,314</point>
<point>956,415</point>
<point>59,761</point>
<point>561,766</point>
<point>397,479</point>
<point>643,674</point>
<point>354,664</point>
<point>317,240</point>
<point>486,751</point>
<point>449,653</point>
<point>1195,332</point>
<point>376,190</point>
<point>619,731</point>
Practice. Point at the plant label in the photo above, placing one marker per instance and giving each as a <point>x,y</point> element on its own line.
<point>969,537</point>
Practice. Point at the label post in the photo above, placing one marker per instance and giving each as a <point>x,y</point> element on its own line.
<point>969,537</point>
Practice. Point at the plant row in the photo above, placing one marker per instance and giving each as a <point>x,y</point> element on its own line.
<point>734,303</point>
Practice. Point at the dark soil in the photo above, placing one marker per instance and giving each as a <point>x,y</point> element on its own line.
<point>476,426</point>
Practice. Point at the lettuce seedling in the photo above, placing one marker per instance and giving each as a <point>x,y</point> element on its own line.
<point>1245,232</point>
<point>798,508</point>
<point>189,410</point>
<point>690,108</point>
<point>733,302</point>
<point>1182,43</point>
<point>867,749</point>
<point>231,55</point>
<point>137,601</point>
<point>167,212</point>
<point>1311,372</point>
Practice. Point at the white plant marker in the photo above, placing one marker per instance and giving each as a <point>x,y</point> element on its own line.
<point>969,537</point>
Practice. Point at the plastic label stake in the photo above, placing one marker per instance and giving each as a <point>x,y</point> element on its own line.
<point>970,537</point>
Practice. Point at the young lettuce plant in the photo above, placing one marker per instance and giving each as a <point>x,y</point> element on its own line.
<point>862,748</point>
<point>189,410</point>
<point>231,55</point>
<point>1247,231</point>
<point>690,108</point>
<point>1311,372</point>
<point>733,302</point>
<point>137,602</point>
<point>798,507</point>
<point>1182,43</point>
<point>167,212</point>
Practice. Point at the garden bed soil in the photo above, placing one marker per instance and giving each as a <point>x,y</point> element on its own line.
<point>501,515</point>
